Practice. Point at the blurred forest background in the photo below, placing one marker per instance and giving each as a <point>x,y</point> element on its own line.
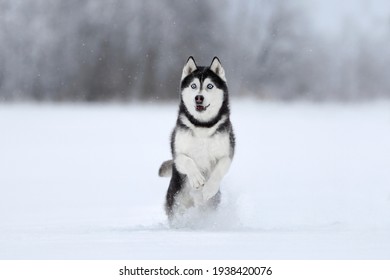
<point>134,50</point>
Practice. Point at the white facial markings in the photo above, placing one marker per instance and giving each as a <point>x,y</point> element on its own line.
<point>188,95</point>
<point>213,96</point>
<point>212,99</point>
<point>208,85</point>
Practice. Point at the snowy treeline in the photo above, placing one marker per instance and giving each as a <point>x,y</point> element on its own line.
<point>134,50</point>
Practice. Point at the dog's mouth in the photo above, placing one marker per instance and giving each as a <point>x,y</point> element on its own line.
<point>201,108</point>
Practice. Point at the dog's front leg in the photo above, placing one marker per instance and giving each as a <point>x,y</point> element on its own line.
<point>186,165</point>
<point>212,185</point>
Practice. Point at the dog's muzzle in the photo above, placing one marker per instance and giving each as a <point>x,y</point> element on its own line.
<point>199,103</point>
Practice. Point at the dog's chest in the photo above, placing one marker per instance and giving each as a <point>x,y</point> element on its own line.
<point>203,148</point>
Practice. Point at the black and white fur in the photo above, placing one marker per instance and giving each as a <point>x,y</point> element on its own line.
<point>202,142</point>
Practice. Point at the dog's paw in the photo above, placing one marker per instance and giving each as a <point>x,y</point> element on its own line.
<point>210,189</point>
<point>196,180</point>
<point>197,197</point>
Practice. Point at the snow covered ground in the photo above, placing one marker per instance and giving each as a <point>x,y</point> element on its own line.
<point>307,182</point>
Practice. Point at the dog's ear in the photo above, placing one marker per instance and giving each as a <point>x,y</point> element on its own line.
<point>189,67</point>
<point>217,68</point>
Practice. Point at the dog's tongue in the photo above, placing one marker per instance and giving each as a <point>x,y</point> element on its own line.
<point>199,107</point>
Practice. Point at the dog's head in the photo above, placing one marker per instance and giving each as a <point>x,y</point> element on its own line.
<point>204,93</point>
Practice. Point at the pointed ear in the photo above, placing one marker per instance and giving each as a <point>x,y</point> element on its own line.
<point>189,67</point>
<point>217,68</point>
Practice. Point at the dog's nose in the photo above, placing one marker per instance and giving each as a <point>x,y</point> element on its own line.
<point>199,99</point>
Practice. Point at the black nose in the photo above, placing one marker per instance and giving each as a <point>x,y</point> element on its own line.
<point>199,99</point>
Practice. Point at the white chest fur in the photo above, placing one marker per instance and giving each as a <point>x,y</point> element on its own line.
<point>204,146</point>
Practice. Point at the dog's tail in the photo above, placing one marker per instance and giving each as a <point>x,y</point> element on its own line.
<point>166,169</point>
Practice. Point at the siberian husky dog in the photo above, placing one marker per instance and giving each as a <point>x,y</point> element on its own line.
<point>202,142</point>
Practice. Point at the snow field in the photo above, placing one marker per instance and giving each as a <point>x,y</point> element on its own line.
<point>308,181</point>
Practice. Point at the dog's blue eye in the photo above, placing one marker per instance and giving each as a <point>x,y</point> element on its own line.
<point>210,86</point>
<point>193,86</point>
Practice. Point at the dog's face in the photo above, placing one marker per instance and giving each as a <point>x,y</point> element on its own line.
<point>203,89</point>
